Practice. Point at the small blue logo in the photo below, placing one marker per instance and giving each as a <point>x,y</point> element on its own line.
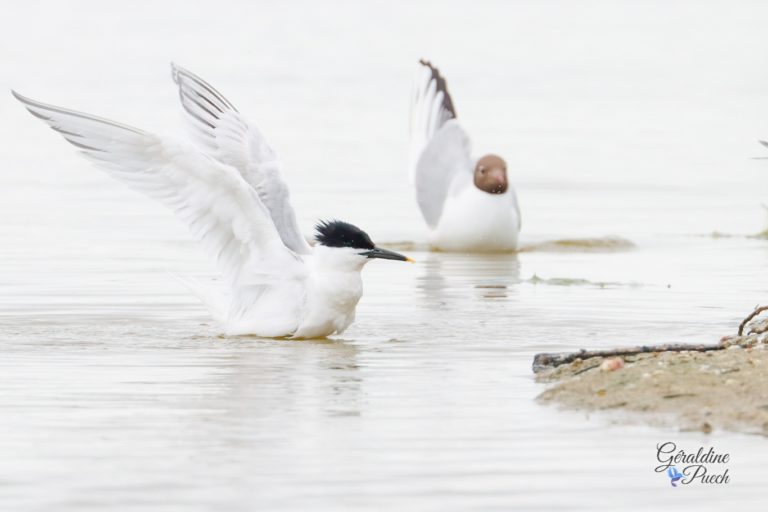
<point>674,475</point>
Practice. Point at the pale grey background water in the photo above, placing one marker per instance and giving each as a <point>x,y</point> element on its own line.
<point>631,119</point>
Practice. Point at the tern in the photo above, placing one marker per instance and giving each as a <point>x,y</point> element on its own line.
<point>467,202</point>
<point>229,190</point>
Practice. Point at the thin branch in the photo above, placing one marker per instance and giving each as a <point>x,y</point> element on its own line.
<point>546,360</point>
<point>757,311</point>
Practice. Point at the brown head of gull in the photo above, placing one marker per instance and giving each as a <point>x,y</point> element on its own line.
<point>491,174</point>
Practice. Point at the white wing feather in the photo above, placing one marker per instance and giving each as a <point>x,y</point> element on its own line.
<point>446,157</point>
<point>222,132</point>
<point>440,148</point>
<point>211,197</point>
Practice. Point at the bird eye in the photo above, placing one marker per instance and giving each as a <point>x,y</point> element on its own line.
<point>482,170</point>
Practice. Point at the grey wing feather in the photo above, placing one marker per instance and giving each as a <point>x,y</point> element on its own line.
<point>445,158</point>
<point>211,197</point>
<point>221,131</point>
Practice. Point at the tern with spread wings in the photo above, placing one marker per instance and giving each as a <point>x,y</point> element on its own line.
<point>466,201</point>
<point>229,190</point>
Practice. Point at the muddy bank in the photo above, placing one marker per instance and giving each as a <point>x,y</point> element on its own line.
<point>693,390</point>
<point>595,244</point>
<point>600,244</point>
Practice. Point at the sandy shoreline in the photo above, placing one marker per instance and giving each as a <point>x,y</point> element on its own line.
<point>720,389</point>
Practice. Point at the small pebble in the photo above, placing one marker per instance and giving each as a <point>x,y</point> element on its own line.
<point>612,364</point>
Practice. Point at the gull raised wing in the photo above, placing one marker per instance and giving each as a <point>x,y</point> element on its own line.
<point>440,147</point>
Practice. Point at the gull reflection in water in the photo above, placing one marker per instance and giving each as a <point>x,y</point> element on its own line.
<point>449,276</point>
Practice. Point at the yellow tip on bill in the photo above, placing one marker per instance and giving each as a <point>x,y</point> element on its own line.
<point>410,260</point>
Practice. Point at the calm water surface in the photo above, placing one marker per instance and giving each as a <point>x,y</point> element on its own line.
<point>117,392</point>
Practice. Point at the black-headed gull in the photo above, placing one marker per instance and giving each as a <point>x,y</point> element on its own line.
<point>230,192</point>
<point>467,202</point>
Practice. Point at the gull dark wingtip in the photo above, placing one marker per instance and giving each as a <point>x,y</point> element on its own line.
<point>442,85</point>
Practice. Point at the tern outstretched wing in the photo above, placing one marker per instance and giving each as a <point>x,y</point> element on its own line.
<point>210,196</point>
<point>440,148</point>
<point>222,132</point>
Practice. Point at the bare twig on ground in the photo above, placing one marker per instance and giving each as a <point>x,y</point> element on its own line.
<point>757,311</point>
<point>546,360</point>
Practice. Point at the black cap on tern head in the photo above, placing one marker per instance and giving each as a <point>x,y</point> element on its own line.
<point>335,233</point>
